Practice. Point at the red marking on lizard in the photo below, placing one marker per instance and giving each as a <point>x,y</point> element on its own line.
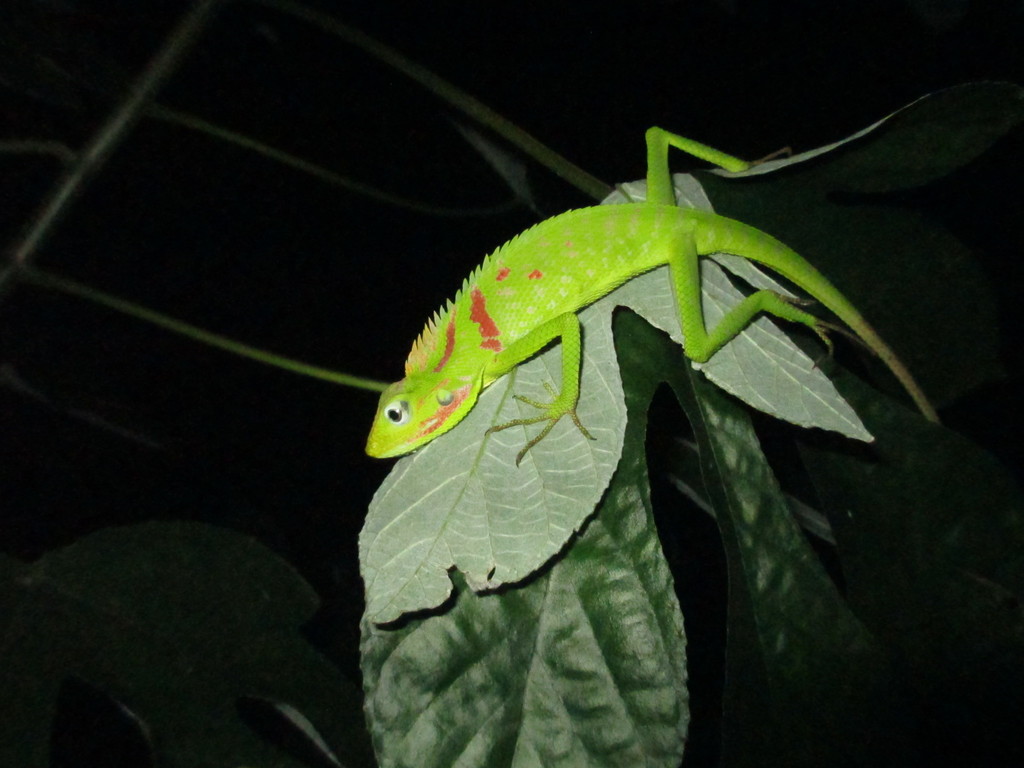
<point>535,275</point>
<point>502,274</point>
<point>442,414</point>
<point>449,343</point>
<point>479,315</point>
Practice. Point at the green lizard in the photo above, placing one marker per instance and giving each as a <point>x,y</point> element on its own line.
<point>526,294</point>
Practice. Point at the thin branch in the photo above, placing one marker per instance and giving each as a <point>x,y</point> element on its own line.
<point>95,154</point>
<point>56,149</point>
<point>194,123</point>
<point>448,92</point>
<point>74,288</point>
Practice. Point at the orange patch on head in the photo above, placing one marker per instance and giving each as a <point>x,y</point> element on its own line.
<point>441,416</point>
<point>535,275</point>
<point>502,274</point>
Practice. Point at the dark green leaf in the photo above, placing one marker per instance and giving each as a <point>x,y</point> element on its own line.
<point>176,622</point>
<point>932,544</point>
<point>804,679</point>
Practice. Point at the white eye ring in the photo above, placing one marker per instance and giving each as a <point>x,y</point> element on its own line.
<point>444,397</point>
<point>397,412</point>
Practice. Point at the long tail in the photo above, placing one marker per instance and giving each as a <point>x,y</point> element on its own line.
<point>748,242</point>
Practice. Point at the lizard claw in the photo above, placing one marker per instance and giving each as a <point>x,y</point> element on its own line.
<point>552,413</point>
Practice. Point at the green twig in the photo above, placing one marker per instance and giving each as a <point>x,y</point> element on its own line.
<point>194,123</point>
<point>56,149</point>
<point>455,96</point>
<point>66,285</point>
<point>110,134</point>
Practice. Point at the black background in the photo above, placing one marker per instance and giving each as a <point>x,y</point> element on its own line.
<point>106,420</point>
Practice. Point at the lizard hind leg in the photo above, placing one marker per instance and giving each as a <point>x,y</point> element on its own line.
<point>700,342</point>
<point>659,178</point>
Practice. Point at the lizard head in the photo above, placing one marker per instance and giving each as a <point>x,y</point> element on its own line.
<point>415,410</point>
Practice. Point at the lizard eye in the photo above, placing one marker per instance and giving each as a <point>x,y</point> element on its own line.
<point>397,412</point>
<point>444,397</point>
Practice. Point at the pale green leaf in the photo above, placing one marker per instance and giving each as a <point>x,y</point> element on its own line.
<point>761,366</point>
<point>462,502</point>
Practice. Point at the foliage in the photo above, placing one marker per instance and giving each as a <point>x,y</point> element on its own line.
<point>184,643</point>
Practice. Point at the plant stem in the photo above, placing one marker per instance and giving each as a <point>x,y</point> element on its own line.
<point>481,113</point>
<point>74,288</point>
<point>103,143</point>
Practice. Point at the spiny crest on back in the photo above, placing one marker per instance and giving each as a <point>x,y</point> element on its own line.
<point>419,355</point>
<point>431,349</point>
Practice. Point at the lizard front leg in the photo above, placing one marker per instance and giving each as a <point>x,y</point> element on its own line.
<point>565,327</point>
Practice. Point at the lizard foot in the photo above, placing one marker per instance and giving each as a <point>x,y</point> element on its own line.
<point>552,413</point>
